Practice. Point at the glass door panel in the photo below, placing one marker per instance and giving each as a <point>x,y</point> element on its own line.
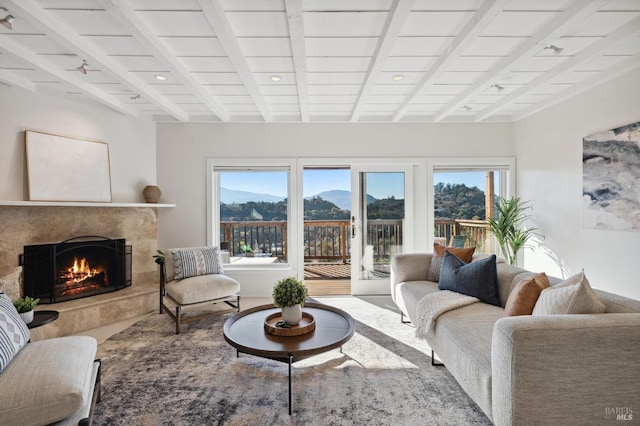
<point>378,222</point>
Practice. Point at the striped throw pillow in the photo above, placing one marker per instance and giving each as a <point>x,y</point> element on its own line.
<point>14,333</point>
<point>196,261</point>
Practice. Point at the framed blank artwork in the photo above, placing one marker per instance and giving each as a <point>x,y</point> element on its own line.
<point>61,168</point>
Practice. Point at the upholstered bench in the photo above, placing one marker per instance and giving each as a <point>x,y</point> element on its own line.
<point>193,278</point>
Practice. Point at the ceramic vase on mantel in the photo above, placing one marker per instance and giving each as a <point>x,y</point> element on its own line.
<point>292,314</point>
<point>151,193</point>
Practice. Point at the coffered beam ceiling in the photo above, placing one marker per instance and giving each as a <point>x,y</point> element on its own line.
<point>320,60</point>
<point>471,31</point>
<point>296,36</point>
<point>395,21</point>
<point>632,29</point>
<point>13,79</point>
<point>556,28</point>
<point>216,17</point>
<point>73,79</point>
<point>127,17</point>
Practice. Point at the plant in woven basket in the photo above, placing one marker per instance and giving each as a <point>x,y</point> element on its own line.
<point>288,292</point>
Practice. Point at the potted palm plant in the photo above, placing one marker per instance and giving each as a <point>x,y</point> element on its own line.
<point>25,306</point>
<point>508,226</point>
<point>289,294</point>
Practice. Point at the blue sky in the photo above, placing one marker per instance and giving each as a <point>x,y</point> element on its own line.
<point>379,185</point>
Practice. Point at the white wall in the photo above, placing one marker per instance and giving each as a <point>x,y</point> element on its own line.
<point>184,147</point>
<point>549,154</point>
<point>132,145</point>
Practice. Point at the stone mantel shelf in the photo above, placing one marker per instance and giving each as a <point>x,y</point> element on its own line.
<point>80,204</point>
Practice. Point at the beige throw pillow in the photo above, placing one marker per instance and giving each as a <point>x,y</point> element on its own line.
<point>572,296</point>
<point>525,294</point>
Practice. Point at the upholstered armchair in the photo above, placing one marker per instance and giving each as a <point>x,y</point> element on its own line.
<point>191,281</point>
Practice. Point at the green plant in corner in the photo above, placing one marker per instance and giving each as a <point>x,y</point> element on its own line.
<point>289,292</point>
<point>25,304</point>
<point>508,226</point>
<point>159,257</point>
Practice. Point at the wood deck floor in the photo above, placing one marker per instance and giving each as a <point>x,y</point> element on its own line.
<point>327,279</point>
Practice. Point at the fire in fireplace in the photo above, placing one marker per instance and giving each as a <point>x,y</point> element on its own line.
<point>79,267</point>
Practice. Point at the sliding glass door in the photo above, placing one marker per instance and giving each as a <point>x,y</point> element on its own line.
<point>381,214</point>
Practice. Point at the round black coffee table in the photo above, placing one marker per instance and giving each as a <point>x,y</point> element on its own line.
<point>245,332</point>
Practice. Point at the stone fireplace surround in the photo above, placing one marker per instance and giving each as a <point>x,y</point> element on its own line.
<point>25,225</point>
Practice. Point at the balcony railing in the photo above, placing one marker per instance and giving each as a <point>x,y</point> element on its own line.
<point>329,240</point>
<point>477,232</point>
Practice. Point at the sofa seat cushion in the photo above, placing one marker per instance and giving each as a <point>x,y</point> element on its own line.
<point>47,381</point>
<point>202,288</point>
<point>462,339</point>
<point>411,292</point>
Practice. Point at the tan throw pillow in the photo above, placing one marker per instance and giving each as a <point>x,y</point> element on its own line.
<point>572,296</point>
<point>464,254</point>
<point>525,294</point>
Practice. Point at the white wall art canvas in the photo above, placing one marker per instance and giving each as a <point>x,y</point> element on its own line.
<point>611,179</point>
<point>67,169</point>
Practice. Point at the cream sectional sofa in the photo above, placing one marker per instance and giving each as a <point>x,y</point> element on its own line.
<point>533,370</point>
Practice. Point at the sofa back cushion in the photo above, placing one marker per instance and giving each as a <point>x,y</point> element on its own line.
<point>616,304</point>
<point>14,333</point>
<point>478,279</point>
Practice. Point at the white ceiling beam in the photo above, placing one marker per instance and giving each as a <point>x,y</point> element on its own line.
<point>13,79</point>
<point>41,62</point>
<point>129,19</point>
<point>296,36</point>
<point>32,12</point>
<point>550,32</point>
<point>614,72</point>
<point>214,13</point>
<point>630,29</point>
<point>396,18</point>
<point>469,33</point>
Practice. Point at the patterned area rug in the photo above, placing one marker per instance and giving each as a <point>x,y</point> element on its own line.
<point>384,376</point>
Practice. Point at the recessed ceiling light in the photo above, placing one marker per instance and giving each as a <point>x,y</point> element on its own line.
<point>397,77</point>
<point>498,87</point>
<point>466,108</point>
<point>161,77</point>
<point>275,78</point>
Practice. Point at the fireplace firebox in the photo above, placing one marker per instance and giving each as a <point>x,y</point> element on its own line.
<point>75,268</point>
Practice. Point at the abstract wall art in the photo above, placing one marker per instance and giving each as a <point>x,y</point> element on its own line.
<point>611,179</point>
<point>67,169</point>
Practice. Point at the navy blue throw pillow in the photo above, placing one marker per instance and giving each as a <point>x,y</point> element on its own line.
<point>478,279</point>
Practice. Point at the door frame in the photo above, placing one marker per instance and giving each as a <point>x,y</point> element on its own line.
<point>417,205</point>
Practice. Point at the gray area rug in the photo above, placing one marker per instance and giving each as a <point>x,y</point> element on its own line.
<point>384,376</point>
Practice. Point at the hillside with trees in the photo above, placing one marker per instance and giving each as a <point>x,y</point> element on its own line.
<point>452,201</point>
<point>458,201</point>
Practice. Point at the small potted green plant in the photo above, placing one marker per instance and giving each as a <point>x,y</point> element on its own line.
<point>159,257</point>
<point>24,306</point>
<point>246,250</point>
<point>289,294</point>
